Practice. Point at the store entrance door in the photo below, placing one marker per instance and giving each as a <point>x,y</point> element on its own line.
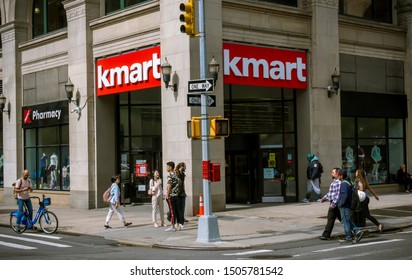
<point>277,174</point>
<point>136,175</point>
<point>241,169</point>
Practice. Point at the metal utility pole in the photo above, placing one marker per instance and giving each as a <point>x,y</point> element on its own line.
<point>208,229</point>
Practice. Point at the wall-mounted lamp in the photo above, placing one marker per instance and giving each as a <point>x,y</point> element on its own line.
<point>166,72</point>
<point>69,87</point>
<point>214,69</point>
<point>334,88</point>
<point>3,101</point>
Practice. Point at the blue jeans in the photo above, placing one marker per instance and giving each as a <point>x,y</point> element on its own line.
<point>20,203</point>
<point>348,225</point>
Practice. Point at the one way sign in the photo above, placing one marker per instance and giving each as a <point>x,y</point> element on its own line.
<point>195,100</point>
<point>205,85</point>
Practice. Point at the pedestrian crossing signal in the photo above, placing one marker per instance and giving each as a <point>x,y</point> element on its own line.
<point>219,127</point>
<point>193,128</point>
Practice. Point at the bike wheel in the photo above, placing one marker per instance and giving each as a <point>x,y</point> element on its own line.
<point>13,224</point>
<point>48,222</point>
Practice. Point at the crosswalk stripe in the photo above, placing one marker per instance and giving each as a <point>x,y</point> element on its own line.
<point>248,253</point>
<point>17,246</point>
<point>36,241</point>
<point>42,236</point>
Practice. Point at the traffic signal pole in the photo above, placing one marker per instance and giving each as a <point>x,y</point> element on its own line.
<point>208,229</point>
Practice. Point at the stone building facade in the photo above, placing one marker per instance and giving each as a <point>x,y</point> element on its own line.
<point>275,119</point>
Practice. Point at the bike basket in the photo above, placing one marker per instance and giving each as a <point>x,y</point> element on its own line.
<point>47,201</point>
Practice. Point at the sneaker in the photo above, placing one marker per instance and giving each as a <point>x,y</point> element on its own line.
<point>162,225</point>
<point>324,238</point>
<point>380,228</point>
<point>170,229</point>
<point>107,226</point>
<point>346,241</point>
<point>155,225</point>
<point>180,226</point>
<point>359,236</point>
<point>127,224</point>
<point>305,200</point>
<point>406,191</point>
<point>319,200</point>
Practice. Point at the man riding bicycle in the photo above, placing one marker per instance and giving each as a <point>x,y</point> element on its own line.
<point>23,187</point>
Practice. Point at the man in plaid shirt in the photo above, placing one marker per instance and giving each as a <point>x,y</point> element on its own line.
<point>333,211</point>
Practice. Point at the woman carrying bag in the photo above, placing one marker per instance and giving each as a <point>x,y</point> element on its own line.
<point>156,191</point>
<point>362,184</point>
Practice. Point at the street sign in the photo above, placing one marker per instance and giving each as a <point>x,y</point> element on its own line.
<point>205,85</point>
<point>194,100</point>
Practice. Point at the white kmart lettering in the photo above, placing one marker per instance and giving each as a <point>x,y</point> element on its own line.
<point>137,72</point>
<point>276,69</point>
<point>55,114</point>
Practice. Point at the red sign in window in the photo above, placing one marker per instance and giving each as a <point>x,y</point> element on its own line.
<point>127,72</point>
<point>259,66</point>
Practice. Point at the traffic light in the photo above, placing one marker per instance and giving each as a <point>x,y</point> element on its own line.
<point>188,18</point>
<point>193,128</point>
<point>219,127</point>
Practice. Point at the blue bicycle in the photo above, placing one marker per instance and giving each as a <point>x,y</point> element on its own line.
<point>48,220</point>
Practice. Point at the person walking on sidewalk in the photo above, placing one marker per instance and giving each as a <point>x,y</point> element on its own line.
<point>362,184</point>
<point>156,191</point>
<point>313,172</point>
<point>172,181</point>
<point>181,174</point>
<point>333,211</point>
<point>344,204</point>
<point>178,195</point>
<point>114,203</point>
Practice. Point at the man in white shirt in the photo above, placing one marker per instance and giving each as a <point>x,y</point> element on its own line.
<point>23,187</point>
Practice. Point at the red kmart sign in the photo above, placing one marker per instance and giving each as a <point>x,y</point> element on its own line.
<point>259,66</point>
<point>242,64</point>
<point>127,72</point>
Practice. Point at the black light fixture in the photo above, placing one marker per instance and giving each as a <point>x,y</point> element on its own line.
<point>166,73</point>
<point>214,69</point>
<point>3,101</point>
<point>334,88</point>
<point>69,87</point>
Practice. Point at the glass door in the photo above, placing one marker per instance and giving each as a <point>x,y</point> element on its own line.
<point>278,175</point>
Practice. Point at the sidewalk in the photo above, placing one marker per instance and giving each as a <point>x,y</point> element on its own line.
<point>240,226</point>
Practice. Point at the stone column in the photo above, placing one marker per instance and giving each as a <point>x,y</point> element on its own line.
<point>182,53</point>
<point>404,8</point>
<point>320,123</point>
<point>83,186</point>
<point>12,34</point>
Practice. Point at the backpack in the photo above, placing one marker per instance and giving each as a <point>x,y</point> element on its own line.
<point>14,187</point>
<point>320,168</point>
<point>106,195</point>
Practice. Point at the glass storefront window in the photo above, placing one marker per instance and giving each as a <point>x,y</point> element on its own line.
<point>395,128</point>
<point>378,147</point>
<point>396,152</point>
<point>140,141</point>
<point>47,157</point>
<point>371,128</point>
<point>348,127</point>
